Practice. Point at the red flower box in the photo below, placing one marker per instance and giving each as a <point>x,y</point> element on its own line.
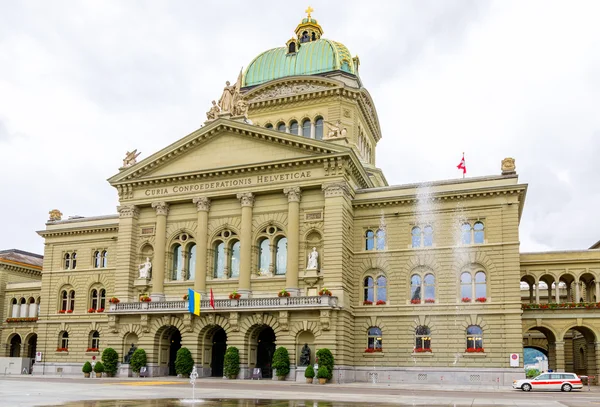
<point>325,291</point>
<point>70,311</point>
<point>283,293</point>
<point>415,301</point>
<point>100,310</point>
<point>373,350</point>
<point>91,310</point>
<point>62,349</point>
<point>481,299</point>
<point>380,302</point>
<point>235,296</point>
<point>114,300</point>
<point>422,350</point>
<point>475,350</point>
<point>91,350</point>
<point>429,301</point>
<point>23,319</point>
<point>466,299</point>
<point>62,311</point>
<point>145,298</point>
<point>367,302</point>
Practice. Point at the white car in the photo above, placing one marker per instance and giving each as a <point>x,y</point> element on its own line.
<point>550,381</point>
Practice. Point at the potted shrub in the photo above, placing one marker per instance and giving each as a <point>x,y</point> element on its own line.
<point>86,369</point>
<point>322,374</point>
<point>231,362</point>
<point>324,291</point>
<point>98,369</point>
<point>234,296</point>
<point>114,300</point>
<point>184,364</point>
<point>138,359</point>
<point>283,293</point>
<point>110,359</point>
<point>281,362</point>
<point>309,373</point>
<point>325,359</point>
<point>145,298</point>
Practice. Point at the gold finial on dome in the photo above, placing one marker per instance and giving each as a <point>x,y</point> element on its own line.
<point>308,11</point>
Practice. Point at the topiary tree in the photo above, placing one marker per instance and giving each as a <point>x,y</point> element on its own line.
<point>231,362</point>
<point>309,373</point>
<point>184,363</point>
<point>325,358</point>
<point>323,373</point>
<point>138,359</point>
<point>98,367</point>
<point>281,362</point>
<point>87,367</point>
<point>110,358</point>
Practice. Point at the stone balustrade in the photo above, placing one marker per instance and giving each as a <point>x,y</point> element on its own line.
<point>267,303</point>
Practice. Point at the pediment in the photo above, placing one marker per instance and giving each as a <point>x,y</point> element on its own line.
<point>225,144</point>
<point>291,86</point>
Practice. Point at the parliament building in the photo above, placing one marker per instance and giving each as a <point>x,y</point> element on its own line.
<point>276,206</point>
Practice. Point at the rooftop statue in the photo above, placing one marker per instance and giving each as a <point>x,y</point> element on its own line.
<point>213,112</point>
<point>130,158</point>
<point>226,101</point>
<point>55,215</point>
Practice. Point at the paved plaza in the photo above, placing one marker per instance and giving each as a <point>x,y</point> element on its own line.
<point>26,391</point>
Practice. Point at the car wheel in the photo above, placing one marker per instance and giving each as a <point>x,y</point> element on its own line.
<point>566,387</point>
<point>526,387</point>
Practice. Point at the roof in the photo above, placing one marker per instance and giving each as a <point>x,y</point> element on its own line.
<point>21,257</point>
<point>312,58</point>
<point>596,245</point>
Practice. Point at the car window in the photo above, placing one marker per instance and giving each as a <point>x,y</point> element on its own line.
<point>556,376</point>
<point>543,377</point>
<point>568,376</point>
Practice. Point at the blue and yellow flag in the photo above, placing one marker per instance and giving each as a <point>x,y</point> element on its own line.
<point>194,304</point>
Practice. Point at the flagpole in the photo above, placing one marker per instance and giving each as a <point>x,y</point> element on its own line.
<point>463,161</point>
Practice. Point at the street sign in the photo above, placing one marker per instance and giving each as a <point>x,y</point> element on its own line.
<point>38,356</point>
<point>514,360</point>
<point>94,357</point>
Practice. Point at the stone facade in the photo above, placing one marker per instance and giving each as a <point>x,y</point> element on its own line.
<point>423,278</point>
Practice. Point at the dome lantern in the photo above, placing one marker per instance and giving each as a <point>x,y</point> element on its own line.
<point>308,29</point>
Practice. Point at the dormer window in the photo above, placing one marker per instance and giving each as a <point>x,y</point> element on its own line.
<point>292,48</point>
<point>314,37</point>
<point>305,37</point>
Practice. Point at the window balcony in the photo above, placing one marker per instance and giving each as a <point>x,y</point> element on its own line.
<point>242,304</point>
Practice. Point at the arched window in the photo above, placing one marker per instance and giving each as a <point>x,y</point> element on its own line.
<point>422,339</point>
<point>416,236</point>
<point>97,259</point>
<point>313,36</point>
<point>94,302</point>
<point>95,340</point>
<point>429,287</point>
<point>369,293</point>
<point>374,339</point>
<point>281,256</point>
<point>381,289</point>
<point>319,128</point>
<point>104,259</point>
<point>31,308</point>
<point>102,300</point>
<point>427,236</point>
<point>380,239</point>
<point>306,128</point>
<point>15,308</point>
<point>480,286</point>
<point>292,48</point>
<point>369,240</point>
<point>294,127</point>
<point>191,261</point>
<point>264,260</point>
<point>177,262</point>
<point>478,233</point>
<point>98,299</point>
<point>474,337</point>
<point>281,127</point>
<point>415,289</point>
<point>268,126</point>
<point>67,261</point>
<point>466,287</point>
<point>71,301</point>
<point>63,341</point>
<point>64,304</point>
<point>23,310</point>
<point>235,259</point>
<point>73,261</point>
<point>219,266</point>
<point>466,233</point>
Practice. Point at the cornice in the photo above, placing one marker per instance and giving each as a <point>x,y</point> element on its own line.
<point>20,267</point>
<point>78,231</point>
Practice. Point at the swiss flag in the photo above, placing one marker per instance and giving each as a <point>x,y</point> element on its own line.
<point>462,166</point>
<point>212,299</point>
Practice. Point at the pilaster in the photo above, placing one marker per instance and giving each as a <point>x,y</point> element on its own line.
<point>293,238</point>
<point>158,267</point>
<point>202,206</point>
<point>247,203</point>
<point>126,259</point>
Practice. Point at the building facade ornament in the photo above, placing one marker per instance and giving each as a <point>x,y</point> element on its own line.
<point>246,198</point>
<point>213,112</point>
<point>128,211</point>
<point>287,90</point>
<point>508,166</point>
<point>55,215</point>
<point>294,194</point>
<point>145,268</point>
<point>202,203</point>
<point>335,189</point>
<point>162,208</point>
<point>313,260</point>
<point>130,158</point>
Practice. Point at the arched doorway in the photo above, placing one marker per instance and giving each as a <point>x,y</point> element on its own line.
<point>265,348</point>
<point>15,346</point>
<point>174,346</point>
<point>31,346</point>
<point>580,355</point>
<point>219,345</point>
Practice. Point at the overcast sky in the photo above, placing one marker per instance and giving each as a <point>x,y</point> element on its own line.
<point>82,82</point>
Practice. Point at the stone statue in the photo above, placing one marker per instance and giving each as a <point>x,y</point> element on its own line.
<point>145,268</point>
<point>226,101</point>
<point>508,166</point>
<point>127,358</point>
<point>130,158</point>
<point>241,108</point>
<point>213,112</point>
<point>343,132</point>
<point>313,260</point>
<point>55,215</point>
<point>305,355</point>
<point>334,129</point>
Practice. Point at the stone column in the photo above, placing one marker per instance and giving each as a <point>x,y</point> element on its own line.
<point>577,290</point>
<point>557,292</point>
<point>312,130</point>
<point>537,292</point>
<point>293,239</point>
<point>202,206</point>
<point>126,252</point>
<point>597,291</point>
<point>596,368</point>
<point>247,202</point>
<point>560,356</point>
<point>160,241</point>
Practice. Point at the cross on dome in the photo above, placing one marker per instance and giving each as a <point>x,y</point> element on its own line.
<point>308,11</point>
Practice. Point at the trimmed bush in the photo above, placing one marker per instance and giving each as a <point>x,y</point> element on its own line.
<point>323,373</point>
<point>138,359</point>
<point>325,358</point>
<point>281,361</point>
<point>532,373</point>
<point>87,367</point>
<point>98,367</point>
<point>231,362</point>
<point>309,373</point>
<point>110,358</point>
<point>184,363</point>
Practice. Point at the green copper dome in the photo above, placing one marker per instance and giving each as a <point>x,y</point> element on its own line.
<point>312,58</point>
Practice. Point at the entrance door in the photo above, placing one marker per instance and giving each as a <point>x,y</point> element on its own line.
<point>218,352</point>
<point>264,352</point>
<point>15,346</point>
<point>175,345</point>
<point>31,346</point>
